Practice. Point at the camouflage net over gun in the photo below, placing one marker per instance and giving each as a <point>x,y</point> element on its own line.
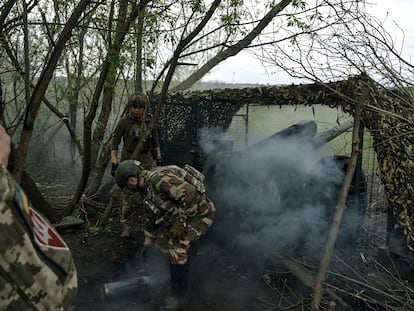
<point>388,116</point>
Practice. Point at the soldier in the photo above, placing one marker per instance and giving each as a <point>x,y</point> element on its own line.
<point>128,130</point>
<point>37,271</point>
<point>180,213</point>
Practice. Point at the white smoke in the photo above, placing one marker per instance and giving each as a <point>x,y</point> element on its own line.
<point>267,197</point>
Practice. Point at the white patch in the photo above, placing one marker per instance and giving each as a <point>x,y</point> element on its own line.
<point>44,233</point>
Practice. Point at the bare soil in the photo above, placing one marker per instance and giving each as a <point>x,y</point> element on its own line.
<point>103,257</point>
<point>220,278</point>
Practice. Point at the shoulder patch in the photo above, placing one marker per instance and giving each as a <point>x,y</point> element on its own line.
<point>43,232</point>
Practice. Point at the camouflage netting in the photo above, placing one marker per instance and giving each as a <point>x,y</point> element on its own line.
<point>184,118</point>
<point>387,116</point>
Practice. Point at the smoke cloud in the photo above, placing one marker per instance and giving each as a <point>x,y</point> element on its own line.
<point>274,196</point>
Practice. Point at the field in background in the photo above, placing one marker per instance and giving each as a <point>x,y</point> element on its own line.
<point>257,122</point>
<point>254,123</point>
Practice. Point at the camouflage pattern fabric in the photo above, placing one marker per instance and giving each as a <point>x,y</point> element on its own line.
<point>37,271</point>
<point>128,130</point>
<point>132,211</point>
<point>171,198</point>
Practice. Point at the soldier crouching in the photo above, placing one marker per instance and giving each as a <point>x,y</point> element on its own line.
<point>180,213</point>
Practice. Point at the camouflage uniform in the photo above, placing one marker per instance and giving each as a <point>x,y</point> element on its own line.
<point>170,197</point>
<point>37,271</point>
<point>128,130</point>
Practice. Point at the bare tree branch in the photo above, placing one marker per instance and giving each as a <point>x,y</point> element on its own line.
<point>340,207</point>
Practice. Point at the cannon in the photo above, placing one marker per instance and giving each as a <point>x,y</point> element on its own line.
<point>276,194</point>
<point>255,188</point>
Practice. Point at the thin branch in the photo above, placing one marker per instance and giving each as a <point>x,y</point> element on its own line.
<point>340,207</point>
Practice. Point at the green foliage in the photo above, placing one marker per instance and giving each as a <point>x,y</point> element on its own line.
<point>294,21</point>
<point>150,62</point>
<point>232,16</point>
<point>197,6</point>
<point>301,4</point>
<point>316,16</point>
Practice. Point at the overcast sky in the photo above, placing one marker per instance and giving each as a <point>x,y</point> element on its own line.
<point>243,68</point>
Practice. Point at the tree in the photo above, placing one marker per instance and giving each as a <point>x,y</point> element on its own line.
<point>179,42</point>
<point>183,46</point>
<point>107,83</point>
<point>41,86</point>
<point>361,47</point>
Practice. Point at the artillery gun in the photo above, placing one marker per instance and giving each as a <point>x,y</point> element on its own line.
<point>273,196</point>
<point>276,194</point>
<point>269,180</point>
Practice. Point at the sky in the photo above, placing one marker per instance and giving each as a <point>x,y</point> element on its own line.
<point>244,68</point>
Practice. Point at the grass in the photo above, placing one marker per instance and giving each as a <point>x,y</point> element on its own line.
<point>263,121</point>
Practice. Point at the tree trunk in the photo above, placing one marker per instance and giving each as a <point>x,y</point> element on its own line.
<point>106,82</point>
<point>36,198</point>
<point>139,30</point>
<point>41,86</point>
<point>100,167</point>
<point>171,69</point>
<point>48,104</point>
<point>74,92</point>
<point>5,10</point>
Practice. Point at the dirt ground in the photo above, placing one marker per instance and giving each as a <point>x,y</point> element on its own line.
<point>104,257</point>
<point>220,279</point>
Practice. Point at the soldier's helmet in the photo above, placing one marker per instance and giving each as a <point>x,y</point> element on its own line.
<point>127,169</point>
<point>138,99</point>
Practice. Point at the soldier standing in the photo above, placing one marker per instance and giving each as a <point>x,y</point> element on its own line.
<point>129,130</point>
<point>37,271</point>
<point>180,214</point>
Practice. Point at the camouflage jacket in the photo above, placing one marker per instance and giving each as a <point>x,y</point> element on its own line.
<point>128,130</point>
<point>170,197</point>
<point>37,271</point>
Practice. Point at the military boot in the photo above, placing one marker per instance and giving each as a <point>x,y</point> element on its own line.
<point>178,300</point>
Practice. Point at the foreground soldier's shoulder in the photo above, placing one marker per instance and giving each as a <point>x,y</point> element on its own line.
<point>3,183</point>
<point>39,267</point>
<point>7,186</point>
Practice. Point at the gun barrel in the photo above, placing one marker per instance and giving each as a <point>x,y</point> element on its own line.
<point>332,133</point>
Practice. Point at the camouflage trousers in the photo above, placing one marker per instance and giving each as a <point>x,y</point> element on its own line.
<point>196,226</point>
<point>132,211</point>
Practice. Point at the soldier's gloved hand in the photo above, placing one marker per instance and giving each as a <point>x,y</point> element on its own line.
<point>113,168</point>
<point>177,229</point>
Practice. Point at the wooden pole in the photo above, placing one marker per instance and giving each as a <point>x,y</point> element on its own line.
<point>340,207</point>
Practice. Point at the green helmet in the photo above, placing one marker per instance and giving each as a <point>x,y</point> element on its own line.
<point>126,169</point>
<point>138,99</point>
